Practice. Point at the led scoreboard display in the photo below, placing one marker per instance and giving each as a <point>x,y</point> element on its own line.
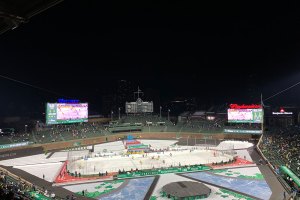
<point>65,113</point>
<point>245,114</point>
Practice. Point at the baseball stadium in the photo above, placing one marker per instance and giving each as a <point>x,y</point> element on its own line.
<point>224,154</point>
<point>140,148</point>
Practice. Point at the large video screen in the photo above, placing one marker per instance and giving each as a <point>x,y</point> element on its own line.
<point>245,115</point>
<point>65,113</point>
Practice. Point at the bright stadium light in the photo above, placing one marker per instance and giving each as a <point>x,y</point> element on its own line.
<point>169,114</point>
<point>25,128</point>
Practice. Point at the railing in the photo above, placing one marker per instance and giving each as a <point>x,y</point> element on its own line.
<point>20,179</point>
<point>280,179</point>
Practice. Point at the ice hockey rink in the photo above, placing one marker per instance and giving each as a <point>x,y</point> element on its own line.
<point>39,165</point>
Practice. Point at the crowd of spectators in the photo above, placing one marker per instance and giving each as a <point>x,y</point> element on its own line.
<point>64,132</point>
<point>245,126</point>
<point>15,188</point>
<point>281,146</point>
<point>201,124</point>
<point>148,123</point>
<point>145,123</point>
<point>14,137</point>
<point>12,188</point>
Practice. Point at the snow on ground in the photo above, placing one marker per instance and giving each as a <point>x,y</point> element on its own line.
<point>38,165</point>
<point>118,146</point>
<point>233,144</point>
<point>60,154</point>
<point>159,144</point>
<point>157,160</point>
<point>115,147</point>
<point>42,158</point>
<point>50,170</point>
<point>35,159</point>
<point>244,154</point>
<point>77,154</point>
<point>92,187</point>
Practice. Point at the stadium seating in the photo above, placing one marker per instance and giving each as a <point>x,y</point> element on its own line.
<point>69,132</point>
<point>130,123</point>
<point>13,188</point>
<point>281,147</point>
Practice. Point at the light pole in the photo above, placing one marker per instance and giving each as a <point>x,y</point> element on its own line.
<point>160,112</point>
<point>37,125</point>
<point>112,112</point>
<point>168,114</point>
<point>25,128</point>
<point>119,113</point>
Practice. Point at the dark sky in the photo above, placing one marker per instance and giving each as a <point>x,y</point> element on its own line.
<point>219,52</point>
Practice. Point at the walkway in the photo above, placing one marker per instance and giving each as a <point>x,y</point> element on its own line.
<point>59,191</point>
<point>270,177</point>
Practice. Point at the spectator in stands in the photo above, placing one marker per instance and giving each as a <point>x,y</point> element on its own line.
<point>52,195</point>
<point>281,146</point>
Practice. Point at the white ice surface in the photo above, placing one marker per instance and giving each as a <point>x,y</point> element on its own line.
<point>50,170</point>
<point>35,159</point>
<point>158,144</point>
<point>157,160</point>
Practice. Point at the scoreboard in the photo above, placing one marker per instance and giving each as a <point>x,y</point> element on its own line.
<point>65,113</point>
<point>245,115</point>
<point>139,106</point>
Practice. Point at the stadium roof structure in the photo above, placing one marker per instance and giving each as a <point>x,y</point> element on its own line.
<point>15,12</point>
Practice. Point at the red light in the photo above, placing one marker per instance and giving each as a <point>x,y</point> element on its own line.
<point>281,110</point>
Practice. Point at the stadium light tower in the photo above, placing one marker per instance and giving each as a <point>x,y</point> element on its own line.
<point>119,113</point>
<point>25,128</point>
<point>168,114</point>
<point>262,108</point>
<point>112,112</point>
<point>160,111</point>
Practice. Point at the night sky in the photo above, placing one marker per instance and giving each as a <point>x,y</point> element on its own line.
<point>228,52</point>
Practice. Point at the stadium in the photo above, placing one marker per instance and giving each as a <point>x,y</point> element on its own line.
<point>70,128</point>
<point>144,155</point>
